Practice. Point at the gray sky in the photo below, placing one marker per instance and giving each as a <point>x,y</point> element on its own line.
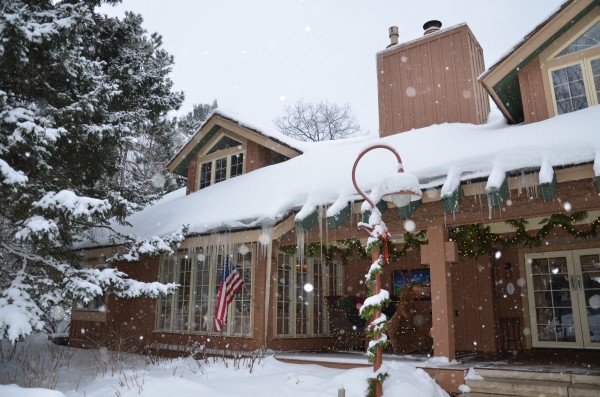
<point>254,57</point>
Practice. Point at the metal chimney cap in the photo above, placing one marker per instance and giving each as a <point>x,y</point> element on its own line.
<point>393,33</point>
<point>432,26</point>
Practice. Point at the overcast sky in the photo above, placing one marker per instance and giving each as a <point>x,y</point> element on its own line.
<point>256,56</point>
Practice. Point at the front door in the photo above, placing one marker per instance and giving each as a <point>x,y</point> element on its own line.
<point>564,298</point>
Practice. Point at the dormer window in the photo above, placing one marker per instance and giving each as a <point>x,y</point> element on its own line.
<point>224,160</point>
<point>574,70</point>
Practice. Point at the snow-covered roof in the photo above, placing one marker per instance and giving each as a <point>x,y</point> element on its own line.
<point>322,174</point>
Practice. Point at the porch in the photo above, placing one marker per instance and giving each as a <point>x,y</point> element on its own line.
<point>562,369</point>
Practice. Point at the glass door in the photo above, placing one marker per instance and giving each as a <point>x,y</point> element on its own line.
<point>551,300</point>
<point>587,281</point>
<point>564,298</point>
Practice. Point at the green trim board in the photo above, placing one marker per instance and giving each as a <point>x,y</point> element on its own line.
<point>497,195</point>
<point>508,90</point>
<point>381,206</point>
<point>408,210</point>
<point>182,168</point>
<point>450,203</point>
<point>548,190</point>
<point>335,221</point>
<point>597,178</point>
<point>309,222</point>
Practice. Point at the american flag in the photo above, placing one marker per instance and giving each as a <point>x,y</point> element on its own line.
<point>231,283</point>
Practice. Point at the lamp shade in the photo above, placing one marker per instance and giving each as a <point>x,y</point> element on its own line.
<point>401,189</point>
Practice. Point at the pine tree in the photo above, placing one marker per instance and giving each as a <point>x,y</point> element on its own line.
<point>77,89</point>
<point>190,123</point>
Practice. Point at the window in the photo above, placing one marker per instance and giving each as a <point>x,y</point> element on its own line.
<point>574,69</point>
<point>205,175</point>
<point>221,170</point>
<point>569,89</point>
<point>93,309</point>
<point>191,308</point>
<point>589,39</point>
<point>224,160</point>
<point>237,165</point>
<point>301,311</point>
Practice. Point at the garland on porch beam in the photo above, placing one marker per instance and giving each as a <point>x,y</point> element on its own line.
<point>475,240</point>
<point>330,251</point>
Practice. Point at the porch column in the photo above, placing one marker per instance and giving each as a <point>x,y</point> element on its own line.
<point>438,254</point>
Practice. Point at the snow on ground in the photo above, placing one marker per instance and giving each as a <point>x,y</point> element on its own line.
<point>97,373</point>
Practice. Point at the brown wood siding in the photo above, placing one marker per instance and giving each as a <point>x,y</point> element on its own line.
<point>431,81</point>
<point>533,94</point>
<point>192,176</point>
<point>258,156</point>
<point>474,305</point>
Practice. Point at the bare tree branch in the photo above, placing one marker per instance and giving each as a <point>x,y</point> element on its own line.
<point>314,122</point>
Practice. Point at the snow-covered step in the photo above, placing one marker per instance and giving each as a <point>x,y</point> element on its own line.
<point>495,382</point>
<point>586,379</point>
<point>533,375</point>
<point>584,390</point>
<point>472,394</point>
<point>519,387</point>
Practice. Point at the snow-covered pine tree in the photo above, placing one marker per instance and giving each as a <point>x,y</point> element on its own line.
<point>189,123</point>
<point>76,88</point>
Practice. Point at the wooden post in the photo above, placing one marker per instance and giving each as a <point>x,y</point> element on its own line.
<point>438,254</point>
<point>379,359</point>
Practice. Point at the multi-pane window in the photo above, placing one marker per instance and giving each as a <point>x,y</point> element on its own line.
<point>302,289</point>
<point>164,305</point>
<point>596,76</point>
<point>222,168</point>
<point>183,295</point>
<point>205,174</point>
<point>569,89</point>
<point>192,307</point>
<point>237,165</point>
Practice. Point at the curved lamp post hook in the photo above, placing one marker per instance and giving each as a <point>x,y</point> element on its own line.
<point>380,146</point>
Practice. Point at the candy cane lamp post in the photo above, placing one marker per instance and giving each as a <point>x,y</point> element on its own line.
<point>401,189</point>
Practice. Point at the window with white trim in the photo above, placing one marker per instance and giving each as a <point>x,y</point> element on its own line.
<point>224,160</point>
<point>574,71</point>
<point>192,307</point>
<point>302,289</point>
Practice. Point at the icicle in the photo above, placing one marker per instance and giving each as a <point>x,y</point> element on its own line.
<point>265,239</point>
<point>320,215</point>
<point>490,207</point>
<point>300,239</point>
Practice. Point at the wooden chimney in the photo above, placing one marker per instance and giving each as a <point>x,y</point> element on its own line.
<point>431,80</point>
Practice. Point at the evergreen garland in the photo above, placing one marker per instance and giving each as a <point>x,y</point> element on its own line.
<point>476,240</point>
<point>473,240</point>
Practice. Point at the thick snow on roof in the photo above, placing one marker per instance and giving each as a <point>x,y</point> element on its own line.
<point>322,174</point>
<point>256,126</point>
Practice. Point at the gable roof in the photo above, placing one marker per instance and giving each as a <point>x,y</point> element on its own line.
<point>501,80</point>
<point>322,174</point>
<point>220,119</point>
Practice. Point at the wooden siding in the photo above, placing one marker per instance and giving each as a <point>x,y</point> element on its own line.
<point>474,305</point>
<point>192,176</point>
<point>533,94</point>
<point>258,156</point>
<point>430,81</point>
